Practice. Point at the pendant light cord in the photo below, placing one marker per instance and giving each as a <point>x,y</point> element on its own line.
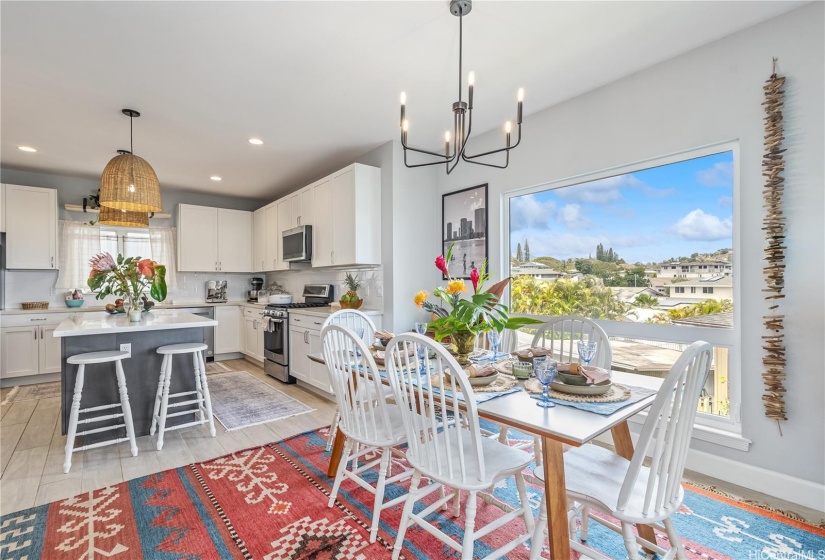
<point>460,48</point>
<point>131,135</point>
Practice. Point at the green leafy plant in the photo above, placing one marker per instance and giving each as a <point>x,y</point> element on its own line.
<point>129,277</point>
<point>482,312</point>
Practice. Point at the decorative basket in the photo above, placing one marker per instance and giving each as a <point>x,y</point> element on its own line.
<point>35,305</point>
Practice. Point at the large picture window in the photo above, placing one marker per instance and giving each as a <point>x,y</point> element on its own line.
<point>648,252</point>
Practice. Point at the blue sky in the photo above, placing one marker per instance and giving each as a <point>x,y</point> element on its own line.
<point>646,216</point>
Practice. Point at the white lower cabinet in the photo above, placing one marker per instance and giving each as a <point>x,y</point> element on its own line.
<point>305,339</point>
<point>228,331</point>
<point>28,345</point>
<point>252,333</point>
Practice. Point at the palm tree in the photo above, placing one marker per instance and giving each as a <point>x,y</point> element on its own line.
<point>587,298</point>
<point>646,301</point>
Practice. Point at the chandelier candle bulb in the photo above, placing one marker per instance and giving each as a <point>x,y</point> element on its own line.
<point>507,130</point>
<point>520,101</point>
<point>447,143</point>
<point>403,107</point>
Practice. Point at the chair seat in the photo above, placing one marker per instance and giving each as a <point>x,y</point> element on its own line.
<point>594,475</point>
<point>98,357</point>
<point>184,348</point>
<point>397,435</point>
<point>499,460</point>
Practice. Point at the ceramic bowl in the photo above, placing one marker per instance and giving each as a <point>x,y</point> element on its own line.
<point>75,302</point>
<point>572,378</point>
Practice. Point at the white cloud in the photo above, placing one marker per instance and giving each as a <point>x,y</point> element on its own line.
<point>529,212</point>
<point>725,202</point>
<point>697,225</point>
<point>598,192</point>
<point>720,175</point>
<point>570,216</point>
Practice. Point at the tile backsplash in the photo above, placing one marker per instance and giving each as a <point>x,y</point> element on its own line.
<point>37,285</point>
<point>371,290</point>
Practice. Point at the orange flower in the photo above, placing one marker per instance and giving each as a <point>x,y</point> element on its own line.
<point>456,287</point>
<point>147,268</point>
<point>421,297</point>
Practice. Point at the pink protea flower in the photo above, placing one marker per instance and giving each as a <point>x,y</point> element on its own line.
<point>102,262</point>
<point>147,268</point>
<point>474,276</point>
<point>441,264</point>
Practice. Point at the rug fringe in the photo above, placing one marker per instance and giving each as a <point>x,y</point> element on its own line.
<point>11,395</point>
<point>265,421</point>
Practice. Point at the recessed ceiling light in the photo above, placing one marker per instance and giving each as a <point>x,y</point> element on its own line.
<point>256,141</point>
<point>30,149</point>
<point>215,178</point>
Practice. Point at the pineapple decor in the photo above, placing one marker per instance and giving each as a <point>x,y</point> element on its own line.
<point>350,300</point>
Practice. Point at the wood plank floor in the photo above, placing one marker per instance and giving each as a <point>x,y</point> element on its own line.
<point>31,451</point>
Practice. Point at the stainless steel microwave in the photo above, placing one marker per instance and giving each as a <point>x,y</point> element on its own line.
<point>296,244</point>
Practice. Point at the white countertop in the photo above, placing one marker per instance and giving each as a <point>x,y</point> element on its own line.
<point>327,311</point>
<point>61,308</point>
<point>102,323</point>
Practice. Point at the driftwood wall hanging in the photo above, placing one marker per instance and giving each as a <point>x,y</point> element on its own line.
<point>773,165</point>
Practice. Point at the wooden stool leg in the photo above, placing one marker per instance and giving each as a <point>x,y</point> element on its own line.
<point>196,365</point>
<point>207,400</point>
<point>164,403</point>
<point>78,390</point>
<point>158,396</point>
<point>124,406</point>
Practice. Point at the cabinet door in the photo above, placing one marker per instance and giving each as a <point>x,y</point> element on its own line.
<point>197,238</point>
<point>49,351</point>
<point>234,240</point>
<point>2,208</point>
<point>322,236</point>
<point>31,228</point>
<point>259,240</point>
<point>307,217</point>
<point>319,374</point>
<point>248,340</point>
<point>299,364</point>
<point>343,224</point>
<point>20,354</point>
<point>284,223</point>
<point>272,238</point>
<point>259,340</point>
<point>295,210</point>
<point>228,331</point>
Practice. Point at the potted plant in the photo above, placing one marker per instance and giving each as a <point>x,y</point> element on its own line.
<point>467,318</point>
<point>129,278</point>
<point>350,300</point>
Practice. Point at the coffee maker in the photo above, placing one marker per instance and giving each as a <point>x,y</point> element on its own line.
<point>216,291</point>
<point>257,284</point>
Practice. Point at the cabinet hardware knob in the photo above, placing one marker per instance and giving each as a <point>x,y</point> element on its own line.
<point>52,262</point>
<point>35,334</point>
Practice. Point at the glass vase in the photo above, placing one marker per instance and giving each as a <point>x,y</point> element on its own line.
<point>134,310</point>
<point>465,343</point>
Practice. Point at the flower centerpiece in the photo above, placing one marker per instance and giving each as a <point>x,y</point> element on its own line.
<point>129,278</point>
<point>465,318</point>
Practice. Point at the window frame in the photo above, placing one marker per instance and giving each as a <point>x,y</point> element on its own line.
<point>726,338</point>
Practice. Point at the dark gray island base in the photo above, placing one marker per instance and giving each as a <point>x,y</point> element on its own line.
<point>142,372</point>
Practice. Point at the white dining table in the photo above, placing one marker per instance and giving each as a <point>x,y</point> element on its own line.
<point>555,426</point>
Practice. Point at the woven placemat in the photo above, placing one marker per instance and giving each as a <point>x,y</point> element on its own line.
<point>617,393</point>
<point>503,383</point>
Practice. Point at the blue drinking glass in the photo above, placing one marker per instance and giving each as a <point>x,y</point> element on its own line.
<point>545,371</point>
<point>421,328</point>
<point>494,338</point>
<point>587,351</point>
<point>359,331</point>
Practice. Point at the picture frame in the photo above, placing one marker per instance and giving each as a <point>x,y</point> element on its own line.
<point>464,219</point>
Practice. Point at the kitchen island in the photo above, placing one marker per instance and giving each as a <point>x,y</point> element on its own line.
<point>94,332</point>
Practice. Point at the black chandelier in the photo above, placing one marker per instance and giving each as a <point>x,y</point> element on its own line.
<point>462,111</point>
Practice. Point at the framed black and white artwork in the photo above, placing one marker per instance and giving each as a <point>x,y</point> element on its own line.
<point>464,224</point>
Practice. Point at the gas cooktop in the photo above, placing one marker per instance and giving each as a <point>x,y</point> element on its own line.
<point>296,305</point>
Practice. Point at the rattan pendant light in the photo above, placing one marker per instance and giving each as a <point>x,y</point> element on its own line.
<point>128,182</point>
<point>124,218</point>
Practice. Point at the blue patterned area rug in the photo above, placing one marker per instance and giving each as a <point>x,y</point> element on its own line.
<point>270,503</point>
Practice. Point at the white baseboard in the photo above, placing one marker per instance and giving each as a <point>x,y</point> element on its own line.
<point>29,379</point>
<point>783,486</point>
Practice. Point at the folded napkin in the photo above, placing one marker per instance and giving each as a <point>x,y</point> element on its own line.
<point>594,374</point>
<point>481,371</point>
<point>573,368</point>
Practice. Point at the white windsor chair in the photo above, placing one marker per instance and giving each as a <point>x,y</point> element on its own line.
<point>450,454</point>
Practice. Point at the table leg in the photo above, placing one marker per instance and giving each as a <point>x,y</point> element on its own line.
<point>556,496</point>
<point>624,447</point>
<point>337,451</point>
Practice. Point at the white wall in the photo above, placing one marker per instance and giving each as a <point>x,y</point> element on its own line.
<point>710,95</point>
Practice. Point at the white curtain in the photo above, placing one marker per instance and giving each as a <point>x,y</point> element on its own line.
<point>163,242</point>
<point>79,242</point>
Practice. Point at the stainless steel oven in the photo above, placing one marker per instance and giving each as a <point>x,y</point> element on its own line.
<point>276,345</point>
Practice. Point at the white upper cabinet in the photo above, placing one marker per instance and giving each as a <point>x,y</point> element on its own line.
<point>31,227</point>
<point>259,240</point>
<point>234,240</point>
<point>347,229</point>
<point>214,239</point>
<point>300,208</point>
<point>284,212</point>
<point>2,208</point>
<point>272,238</point>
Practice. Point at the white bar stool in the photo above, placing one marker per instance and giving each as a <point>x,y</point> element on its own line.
<point>202,401</point>
<point>126,412</point>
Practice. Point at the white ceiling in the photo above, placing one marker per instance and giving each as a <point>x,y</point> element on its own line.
<point>317,81</point>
